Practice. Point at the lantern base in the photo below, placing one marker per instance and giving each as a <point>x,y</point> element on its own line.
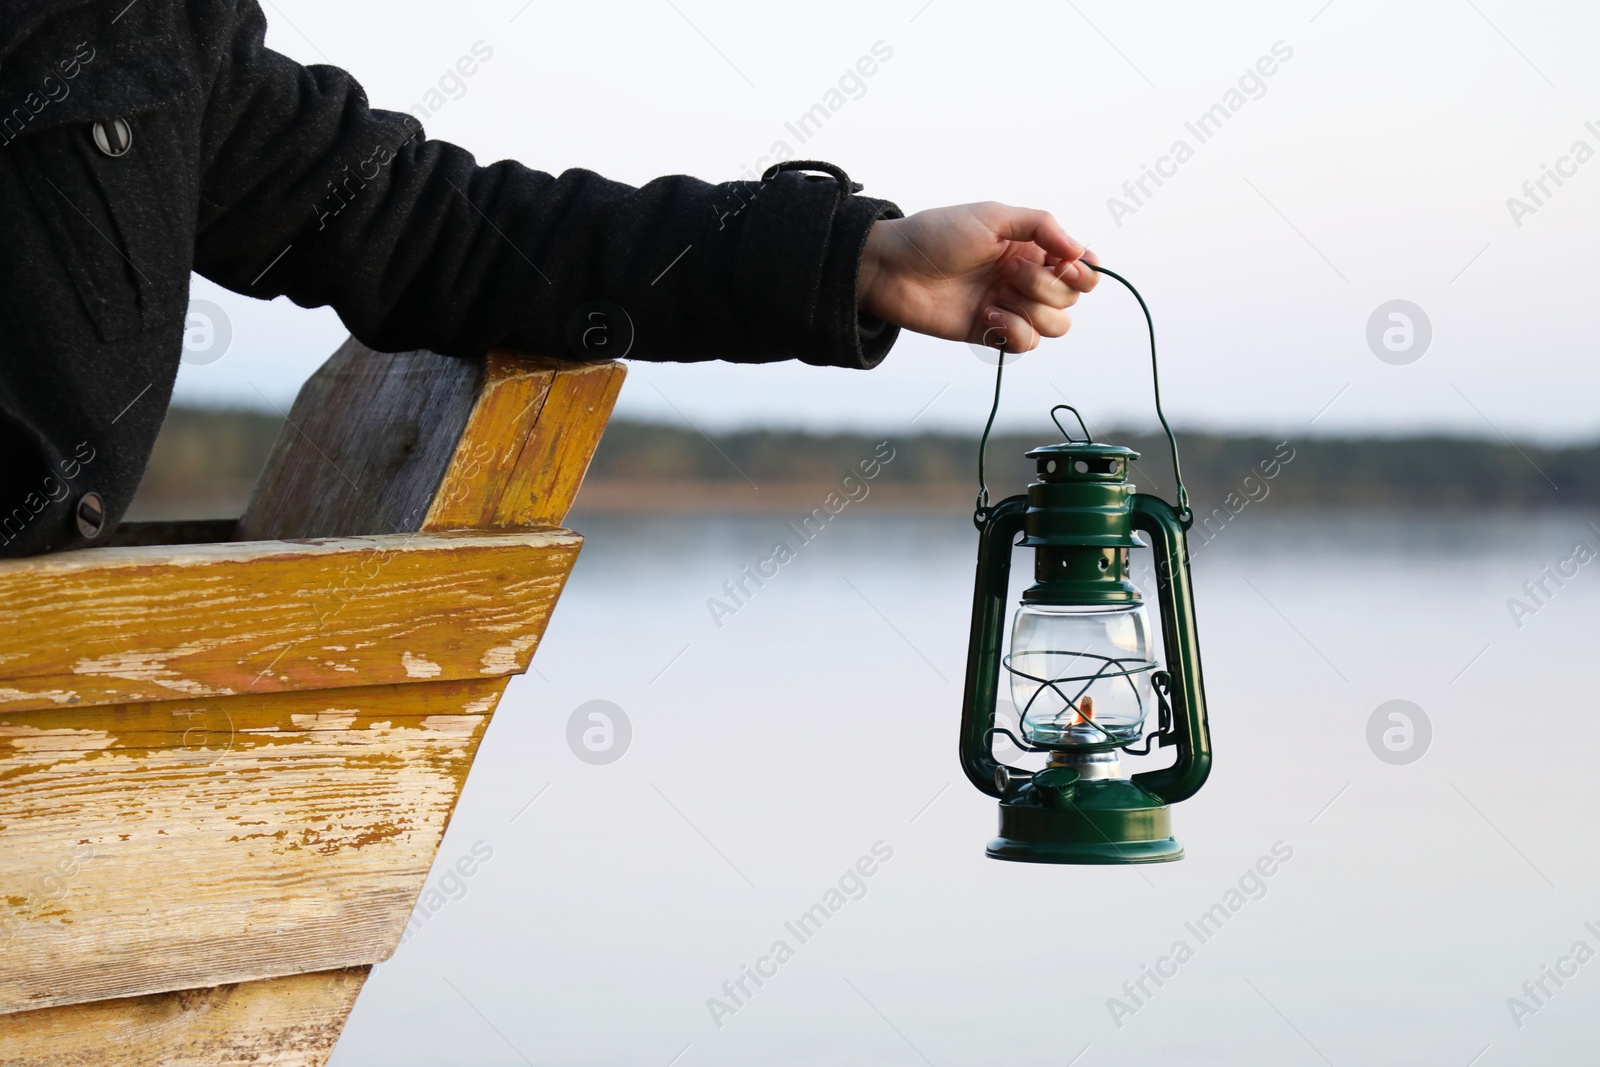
<point>1085,852</point>
<point>1100,821</point>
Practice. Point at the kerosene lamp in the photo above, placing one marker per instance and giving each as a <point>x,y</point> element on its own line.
<point>1081,671</point>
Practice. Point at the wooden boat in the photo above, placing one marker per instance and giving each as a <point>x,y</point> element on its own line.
<point>229,750</point>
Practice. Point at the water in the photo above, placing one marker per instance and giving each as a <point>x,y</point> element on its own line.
<point>1370,913</point>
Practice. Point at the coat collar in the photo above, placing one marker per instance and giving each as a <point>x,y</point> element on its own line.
<point>19,18</point>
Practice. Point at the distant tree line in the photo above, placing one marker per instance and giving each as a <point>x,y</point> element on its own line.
<point>216,454</point>
<point>1432,471</point>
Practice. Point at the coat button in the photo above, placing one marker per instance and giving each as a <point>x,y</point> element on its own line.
<point>114,138</point>
<point>91,515</point>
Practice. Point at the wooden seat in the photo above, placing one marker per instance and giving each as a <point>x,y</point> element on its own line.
<point>229,751</point>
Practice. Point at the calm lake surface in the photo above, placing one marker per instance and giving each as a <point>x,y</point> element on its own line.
<point>768,756</point>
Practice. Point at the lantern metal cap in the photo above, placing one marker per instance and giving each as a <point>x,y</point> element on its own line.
<point>1093,448</point>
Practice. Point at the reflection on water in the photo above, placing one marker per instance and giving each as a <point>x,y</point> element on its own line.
<point>1332,904</point>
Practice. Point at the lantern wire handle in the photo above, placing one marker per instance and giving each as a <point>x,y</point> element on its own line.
<point>981,512</point>
<point>1185,515</point>
<point>1155,380</point>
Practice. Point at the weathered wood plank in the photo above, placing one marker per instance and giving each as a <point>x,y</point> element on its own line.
<point>509,410</point>
<point>397,442</point>
<point>124,624</point>
<point>194,843</point>
<point>523,455</point>
<point>550,468</point>
<point>281,1022</point>
<point>368,438</point>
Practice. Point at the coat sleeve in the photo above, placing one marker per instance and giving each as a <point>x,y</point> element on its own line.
<point>308,192</point>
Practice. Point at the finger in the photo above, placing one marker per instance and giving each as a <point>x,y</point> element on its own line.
<point>1039,283</point>
<point>1076,273</point>
<point>1040,227</point>
<point>1007,330</point>
<point>1047,321</point>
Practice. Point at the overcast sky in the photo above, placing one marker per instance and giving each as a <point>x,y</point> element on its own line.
<point>1374,164</point>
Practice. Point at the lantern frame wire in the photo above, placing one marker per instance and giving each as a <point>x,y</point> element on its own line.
<point>1160,682</point>
<point>1128,669</point>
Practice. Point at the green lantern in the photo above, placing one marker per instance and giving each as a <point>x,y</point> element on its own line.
<point>1082,675</point>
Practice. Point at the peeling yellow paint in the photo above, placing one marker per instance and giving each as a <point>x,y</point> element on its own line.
<point>505,659</point>
<point>282,1022</point>
<point>419,666</point>
<point>316,817</point>
<point>31,742</point>
<point>152,667</point>
<point>331,719</point>
<point>151,623</point>
<point>453,725</point>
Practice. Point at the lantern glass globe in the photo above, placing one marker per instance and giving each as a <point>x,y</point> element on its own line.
<point>1081,674</point>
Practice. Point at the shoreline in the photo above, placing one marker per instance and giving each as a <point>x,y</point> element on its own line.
<point>680,496</point>
<point>647,496</point>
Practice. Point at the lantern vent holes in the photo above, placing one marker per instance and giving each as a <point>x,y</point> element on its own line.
<point>1101,465</point>
<point>1072,467</point>
<point>1103,563</point>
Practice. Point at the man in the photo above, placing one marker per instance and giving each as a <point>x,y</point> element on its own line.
<point>140,141</point>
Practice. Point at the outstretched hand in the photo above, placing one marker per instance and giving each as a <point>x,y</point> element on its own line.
<point>986,273</point>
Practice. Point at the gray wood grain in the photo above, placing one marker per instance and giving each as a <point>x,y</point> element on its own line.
<point>366,445</point>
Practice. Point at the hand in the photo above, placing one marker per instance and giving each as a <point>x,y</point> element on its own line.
<point>985,273</point>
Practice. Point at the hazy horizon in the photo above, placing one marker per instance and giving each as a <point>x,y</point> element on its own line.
<point>1011,428</point>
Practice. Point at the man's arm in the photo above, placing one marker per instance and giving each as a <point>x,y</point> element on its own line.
<point>308,192</point>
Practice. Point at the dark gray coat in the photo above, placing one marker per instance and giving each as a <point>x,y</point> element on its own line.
<point>140,141</point>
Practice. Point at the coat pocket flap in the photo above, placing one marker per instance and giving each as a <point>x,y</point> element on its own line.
<point>94,83</point>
